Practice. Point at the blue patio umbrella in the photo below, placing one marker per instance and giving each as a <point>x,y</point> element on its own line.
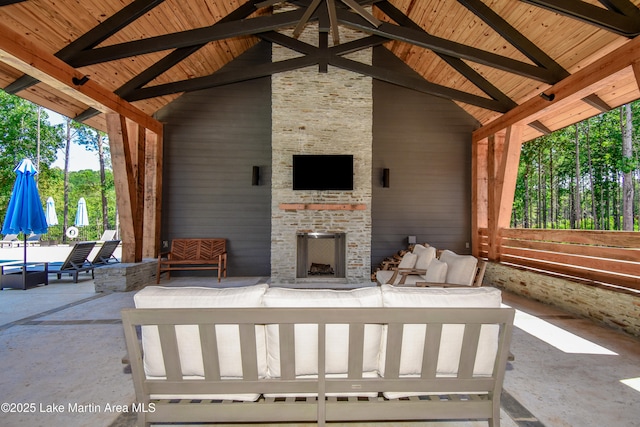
<point>25,214</point>
<point>82,217</point>
<point>51,215</point>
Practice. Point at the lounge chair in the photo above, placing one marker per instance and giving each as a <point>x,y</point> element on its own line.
<point>76,262</point>
<point>105,254</point>
<point>9,239</point>
<point>107,236</point>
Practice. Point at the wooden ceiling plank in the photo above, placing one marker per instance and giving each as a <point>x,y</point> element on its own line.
<point>412,80</point>
<point>513,36</point>
<point>224,77</point>
<point>458,64</point>
<point>437,44</point>
<point>217,31</point>
<point>567,90</point>
<point>93,37</point>
<point>24,55</point>
<point>606,19</point>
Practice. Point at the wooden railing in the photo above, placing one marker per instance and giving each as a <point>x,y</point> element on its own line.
<point>610,257</point>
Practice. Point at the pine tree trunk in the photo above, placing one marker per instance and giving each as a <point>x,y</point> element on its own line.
<point>67,151</point>
<point>103,179</point>
<point>576,193</point>
<point>627,179</point>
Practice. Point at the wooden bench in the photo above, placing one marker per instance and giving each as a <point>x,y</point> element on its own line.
<point>178,397</point>
<point>194,254</point>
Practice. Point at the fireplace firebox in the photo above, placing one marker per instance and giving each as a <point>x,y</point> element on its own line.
<point>321,255</point>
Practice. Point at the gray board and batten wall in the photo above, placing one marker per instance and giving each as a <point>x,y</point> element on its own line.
<point>425,142</point>
<point>212,140</point>
<point>214,137</point>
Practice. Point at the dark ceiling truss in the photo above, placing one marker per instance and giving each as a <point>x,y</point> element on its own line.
<point>8,2</point>
<point>328,14</point>
<point>167,62</point>
<point>528,48</point>
<point>621,16</point>
<point>92,38</point>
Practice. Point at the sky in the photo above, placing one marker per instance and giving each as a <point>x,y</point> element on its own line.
<point>79,158</point>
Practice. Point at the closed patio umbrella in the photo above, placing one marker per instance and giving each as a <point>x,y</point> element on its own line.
<point>51,215</point>
<point>82,217</point>
<point>25,214</point>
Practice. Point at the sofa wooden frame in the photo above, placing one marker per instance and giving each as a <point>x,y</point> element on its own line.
<point>194,254</point>
<point>464,396</point>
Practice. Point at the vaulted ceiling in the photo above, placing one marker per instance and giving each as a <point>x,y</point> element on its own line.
<point>489,56</point>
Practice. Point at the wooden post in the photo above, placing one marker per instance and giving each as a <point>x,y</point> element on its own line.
<point>125,184</point>
<point>152,195</point>
<point>479,188</point>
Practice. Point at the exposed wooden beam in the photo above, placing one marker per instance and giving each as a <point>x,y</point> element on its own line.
<point>92,38</point>
<point>125,184</point>
<point>24,55</point>
<point>224,77</point>
<point>596,102</point>
<point>574,87</point>
<point>412,80</point>
<point>8,2</point>
<point>507,175</point>
<point>603,18</point>
<point>152,196</point>
<point>513,36</point>
<point>540,127</point>
<point>217,31</point>
<point>636,71</point>
<point>447,47</point>
<point>458,64</point>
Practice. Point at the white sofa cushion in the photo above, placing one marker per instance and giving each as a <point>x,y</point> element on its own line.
<point>425,255</point>
<point>306,336</point>
<point>408,260</point>
<point>451,341</point>
<point>188,337</point>
<point>436,272</point>
<point>461,269</point>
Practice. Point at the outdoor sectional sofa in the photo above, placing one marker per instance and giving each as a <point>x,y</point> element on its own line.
<point>268,354</point>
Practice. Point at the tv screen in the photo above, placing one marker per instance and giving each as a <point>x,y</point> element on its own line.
<point>322,172</point>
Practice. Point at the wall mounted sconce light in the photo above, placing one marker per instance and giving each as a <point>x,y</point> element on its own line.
<point>411,240</point>
<point>255,176</point>
<point>547,97</point>
<point>79,81</point>
<point>385,178</point>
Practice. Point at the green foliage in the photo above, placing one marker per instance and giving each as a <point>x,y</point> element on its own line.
<point>546,186</point>
<point>19,139</point>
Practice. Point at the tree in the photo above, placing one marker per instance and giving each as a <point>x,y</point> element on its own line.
<point>19,139</point>
<point>96,141</point>
<point>626,165</point>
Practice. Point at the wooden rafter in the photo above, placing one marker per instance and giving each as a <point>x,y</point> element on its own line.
<point>454,49</point>
<point>458,64</point>
<point>94,37</point>
<point>217,31</point>
<point>24,55</point>
<point>576,86</point>
<point>611,20</point>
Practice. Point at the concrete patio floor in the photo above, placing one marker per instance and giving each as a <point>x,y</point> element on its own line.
<point>62,345</point>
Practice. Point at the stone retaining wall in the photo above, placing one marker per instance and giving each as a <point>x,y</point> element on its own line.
<point>620,310</point>
<point>125,277</point>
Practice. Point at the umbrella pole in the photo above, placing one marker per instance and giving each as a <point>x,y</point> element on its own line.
<point>25,251</point>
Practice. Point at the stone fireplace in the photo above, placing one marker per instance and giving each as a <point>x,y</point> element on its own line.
<point>321,255</point>
<point>321,113</point>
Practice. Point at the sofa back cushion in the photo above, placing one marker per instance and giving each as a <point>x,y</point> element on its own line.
<point>188,337</point>
<point>461,269</point>
<point>425,255</point>
<point>436,272</point>
<point>451,340</point>
<point>337,336</point>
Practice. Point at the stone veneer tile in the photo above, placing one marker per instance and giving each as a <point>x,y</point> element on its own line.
<point>316,113</point>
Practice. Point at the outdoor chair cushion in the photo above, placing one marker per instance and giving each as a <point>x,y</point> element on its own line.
<point>461,269</point>
<point>425,254</point>
<point>436,272</point>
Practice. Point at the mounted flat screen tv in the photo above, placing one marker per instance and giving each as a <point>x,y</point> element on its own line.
<point>323,172</point>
